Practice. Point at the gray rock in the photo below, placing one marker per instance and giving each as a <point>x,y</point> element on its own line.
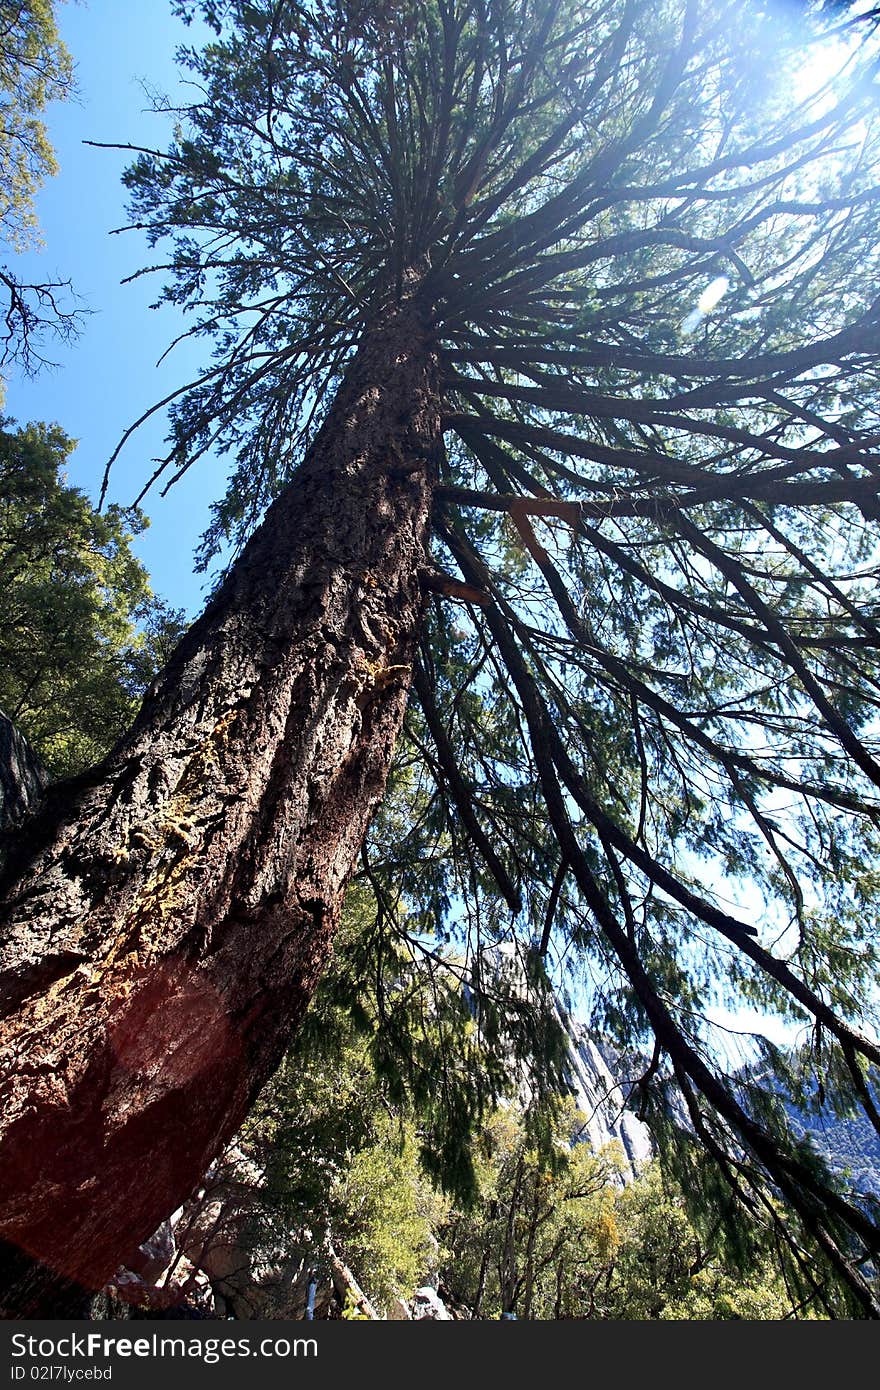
<point>23,779</point>
<point>598,1095</point>
<point>603,1100</point>
<point>427,1305</point>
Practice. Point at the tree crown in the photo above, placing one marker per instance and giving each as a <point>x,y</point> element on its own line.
<point>649,259</point>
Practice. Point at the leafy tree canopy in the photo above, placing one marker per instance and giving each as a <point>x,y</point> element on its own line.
<point>646,236</point>
<point>35,69</point>
<point>81,633</point>
<point>568,1240</point>
<point>400,1022</point>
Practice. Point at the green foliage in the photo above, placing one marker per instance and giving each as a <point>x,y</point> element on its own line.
<point>373,1123</point>
<point>524,1245</point>
<point>386,1212</point>
<point>549,1231</point>
<point>35,68</point>
<point>341,1165</point>
<point>81,633</point>
<point>445,1033</point>
<point>569,1240</point>
<point>665,1269</point>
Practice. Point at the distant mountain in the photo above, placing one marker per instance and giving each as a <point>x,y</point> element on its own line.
<point>850,1144</point>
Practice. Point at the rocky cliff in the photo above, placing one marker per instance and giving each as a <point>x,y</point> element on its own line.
<point>23,779</point>
<point>602,1099</point>
<point>599,1094</point>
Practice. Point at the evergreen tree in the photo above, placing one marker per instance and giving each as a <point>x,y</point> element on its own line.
<point>566,312</point>
<point>81,633</point>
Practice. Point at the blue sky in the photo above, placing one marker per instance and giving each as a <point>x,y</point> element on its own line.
<point>109,377</point>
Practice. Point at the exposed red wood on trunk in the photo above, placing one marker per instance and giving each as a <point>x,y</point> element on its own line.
<point>167,924</point>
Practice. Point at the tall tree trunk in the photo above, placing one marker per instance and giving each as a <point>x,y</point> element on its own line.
<point>167,916</point>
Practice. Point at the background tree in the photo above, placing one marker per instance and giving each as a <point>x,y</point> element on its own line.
<point>540,1219</point>
<point>559,1236</point>
<point>392,1055</point>
<point>589,295</point>
<point>81,633</point>
<point>370,1123</point>
<point>339,1162</point>
<point>35,69</point>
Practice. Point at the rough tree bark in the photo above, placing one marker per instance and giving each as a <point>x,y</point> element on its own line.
<point>166,917</point>
<point>23,779</point>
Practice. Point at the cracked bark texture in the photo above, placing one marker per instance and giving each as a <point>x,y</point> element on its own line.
<point>167,915</point>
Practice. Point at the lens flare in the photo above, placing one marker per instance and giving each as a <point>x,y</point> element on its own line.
<point>710,296</point>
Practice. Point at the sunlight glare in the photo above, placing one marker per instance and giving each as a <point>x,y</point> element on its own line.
<point>709,297</point>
